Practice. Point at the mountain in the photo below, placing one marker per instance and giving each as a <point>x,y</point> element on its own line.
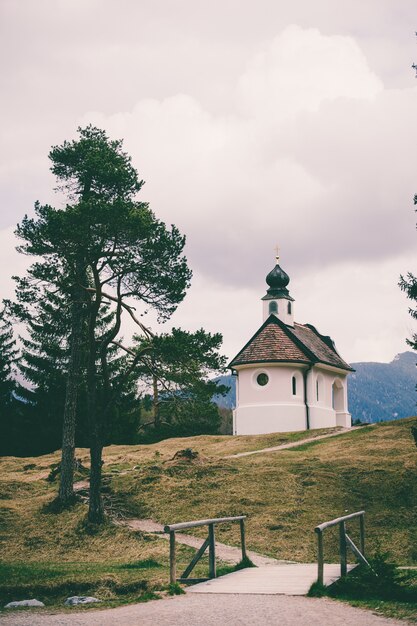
<point>377,392</point>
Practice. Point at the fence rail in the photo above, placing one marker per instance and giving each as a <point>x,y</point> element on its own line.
<point>345,542</point>
<point>209,543</point>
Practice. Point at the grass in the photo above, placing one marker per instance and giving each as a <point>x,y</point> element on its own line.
<point>384,588</point>
<point>285,495</point>
<point>53,556</point>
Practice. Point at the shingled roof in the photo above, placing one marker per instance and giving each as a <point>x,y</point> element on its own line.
<point>276,342</point>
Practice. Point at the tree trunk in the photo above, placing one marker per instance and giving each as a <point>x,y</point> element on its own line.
<point>95,509</point>
<point>155,404</point>
<point>66,485</point>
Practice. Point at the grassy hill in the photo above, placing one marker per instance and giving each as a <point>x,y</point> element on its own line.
<point>285,494</point>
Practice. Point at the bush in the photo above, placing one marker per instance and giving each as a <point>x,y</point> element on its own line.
<point>382,581</point>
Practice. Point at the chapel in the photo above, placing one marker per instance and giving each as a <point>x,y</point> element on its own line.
<point>289,377</point>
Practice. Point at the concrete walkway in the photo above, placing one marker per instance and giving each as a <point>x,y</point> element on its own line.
<point>204,609</point>
<point>294,444</point>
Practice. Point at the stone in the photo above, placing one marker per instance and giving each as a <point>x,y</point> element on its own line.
<point>74,600</point>
<point>17,604</point>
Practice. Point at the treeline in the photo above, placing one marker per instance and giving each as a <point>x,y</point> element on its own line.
<point>102,258</point>
<point>167,395</point>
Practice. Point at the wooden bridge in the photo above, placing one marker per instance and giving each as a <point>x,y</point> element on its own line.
<point>281,578</point>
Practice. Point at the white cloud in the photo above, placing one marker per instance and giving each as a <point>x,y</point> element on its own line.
<point>308,149</point>
<point>299,70</point>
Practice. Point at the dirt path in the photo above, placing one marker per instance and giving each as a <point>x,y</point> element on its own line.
<point>294,444</point>
<point>229,554</point>
<point>211,610</point>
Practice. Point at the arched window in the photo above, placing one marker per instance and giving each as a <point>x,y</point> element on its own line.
<point>294,386</point>
<point>273,307</point>
<point>289,307</point>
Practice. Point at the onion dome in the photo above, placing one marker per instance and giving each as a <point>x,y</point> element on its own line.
<point>277,280</point>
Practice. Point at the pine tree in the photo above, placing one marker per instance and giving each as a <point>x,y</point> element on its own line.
<point>44,365</point>
<point>105,246</point>
<point>178,369</point>
<point>8,386</point>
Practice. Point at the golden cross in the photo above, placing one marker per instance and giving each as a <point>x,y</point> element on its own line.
<point>277,253</point>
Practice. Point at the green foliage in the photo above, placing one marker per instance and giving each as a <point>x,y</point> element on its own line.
<point>175,589</point>
<point>44,364</point>
<point>178,369</point>
<point>244,563</point>
<point>104,239</point>
<point>8,358</point>
<point>317,590</point>
<point>222,570</point>
<point>12,417</point>
<point>383,580</point>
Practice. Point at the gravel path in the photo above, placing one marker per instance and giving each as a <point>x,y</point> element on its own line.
<point>229,554</point>
<point>294,444</point>
<point>211,610</point>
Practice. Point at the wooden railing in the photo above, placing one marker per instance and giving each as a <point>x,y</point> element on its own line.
<point>345,542</point>
<point>208,543</point>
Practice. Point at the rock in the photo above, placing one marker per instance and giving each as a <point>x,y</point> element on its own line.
<point>74,600</point>
<point>17,604</point>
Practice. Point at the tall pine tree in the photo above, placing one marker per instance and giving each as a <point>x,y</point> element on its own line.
<point>9,408</point>
<point>105,246</point>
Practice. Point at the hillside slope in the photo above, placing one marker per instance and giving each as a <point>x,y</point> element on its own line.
<point>376,391</point>
<point>285,495</point>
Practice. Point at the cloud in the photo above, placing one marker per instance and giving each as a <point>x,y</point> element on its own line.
<point>317,155</point>
<point>299,70</point>
<point>297,141</point>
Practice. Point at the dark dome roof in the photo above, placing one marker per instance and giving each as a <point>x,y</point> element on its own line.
<point>277,280</point>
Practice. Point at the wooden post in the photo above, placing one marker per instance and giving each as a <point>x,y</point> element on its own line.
<point>320,559</point>
<point>362,532</point>
<point>172,560</point>
<point>243,538</point>
<point>342,547</point>
<point>212,552</point>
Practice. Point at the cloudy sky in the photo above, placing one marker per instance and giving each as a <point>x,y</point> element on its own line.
<point>252,123</point>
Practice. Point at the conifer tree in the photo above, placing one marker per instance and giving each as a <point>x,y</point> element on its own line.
<point>179,369</point>
<point>105,246</point>
<point>44,365</point>
<point>8,387</point>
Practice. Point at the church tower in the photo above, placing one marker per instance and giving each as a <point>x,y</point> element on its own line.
<point>277,300</point>
<point>289,377</point>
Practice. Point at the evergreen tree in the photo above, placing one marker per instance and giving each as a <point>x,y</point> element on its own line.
<point>44,365</point>
<point>178,369</point>
<point>9,406</point>
<point>8,358</point>
<point>105,246</point>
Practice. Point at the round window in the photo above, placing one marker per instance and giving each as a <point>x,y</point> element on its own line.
<point>262,379</point>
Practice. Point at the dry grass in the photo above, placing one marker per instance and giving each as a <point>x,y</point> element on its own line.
<point>285,495</point>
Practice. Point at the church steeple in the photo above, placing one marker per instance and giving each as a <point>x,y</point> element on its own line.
<point>277,300</point>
